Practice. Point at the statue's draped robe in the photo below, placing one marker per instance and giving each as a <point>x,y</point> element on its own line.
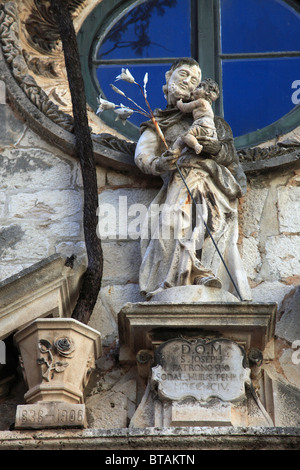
<point>175,245</point>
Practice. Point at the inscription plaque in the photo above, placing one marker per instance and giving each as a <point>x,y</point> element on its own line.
<point>50,415</point>
<point>201,370</point>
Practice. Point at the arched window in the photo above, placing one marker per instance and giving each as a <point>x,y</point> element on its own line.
<point>250,47</point>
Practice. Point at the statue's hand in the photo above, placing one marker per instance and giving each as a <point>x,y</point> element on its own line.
<point>167,161</point>
<point>210,145</point>
<point>179,104</point>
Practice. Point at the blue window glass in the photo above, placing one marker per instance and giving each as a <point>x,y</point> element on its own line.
<point>150,30</point>
<point>146,39</point>
<point>254,46</point>
<point>259,26</point>
<point>257,92</point>
<point>260,60</point>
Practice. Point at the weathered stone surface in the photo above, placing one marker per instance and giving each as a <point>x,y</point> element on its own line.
<point>287,404</point>
<point>289,209</point>
<point>11,129</point>
<point>108,411</point>
<point>182,294</point>
<point>289,362</point>
<point>251,256</point>
<point>121,262</point>
<point>35,169</point>
<point>110,301</point>
<point>46,206</point>
<point>195,414</point>
<point>288,326</point>
<point>122,211</point>
<point>2,92</point>
<point>252,207</point>
<point>283,255</point>
<point>270,292</point>
<point>177,439</point>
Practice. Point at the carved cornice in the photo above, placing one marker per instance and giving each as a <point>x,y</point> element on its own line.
<point>262,159</point>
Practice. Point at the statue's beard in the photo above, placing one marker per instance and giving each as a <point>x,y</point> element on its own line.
<point>177,93</point>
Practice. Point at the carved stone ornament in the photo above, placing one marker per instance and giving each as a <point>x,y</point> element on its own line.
<point>201,370</point>
<point>57,356</point>
<point>63,347</point>
<point>19,57</point>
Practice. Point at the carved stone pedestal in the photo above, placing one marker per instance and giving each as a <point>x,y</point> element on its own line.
<point>204,355</point>
<point>57,356</point>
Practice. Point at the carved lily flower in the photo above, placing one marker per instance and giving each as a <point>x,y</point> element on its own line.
<point>145,84</point>
<point>126,76</point>
<point>104,104</point>
<point>123,113</point>
<point>117,90</point>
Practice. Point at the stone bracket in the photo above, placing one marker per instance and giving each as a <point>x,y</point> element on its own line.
<point>146,325</point>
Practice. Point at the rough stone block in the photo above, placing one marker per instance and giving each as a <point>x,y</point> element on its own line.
<point>122,211</point>
<point>251,256</point>
<point>23,239</point>
<point>2,92</point>
<point>195,414</point>
<point>283,255</point>
<point>121,262</point>
<point>2,204</point>
<point>270,292</point>
<point>46,205</point>
<point>288,327</point>
<point>252,209</point>
<point>34,168</point>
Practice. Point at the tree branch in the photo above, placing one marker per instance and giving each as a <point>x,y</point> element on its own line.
<point>93,274</point>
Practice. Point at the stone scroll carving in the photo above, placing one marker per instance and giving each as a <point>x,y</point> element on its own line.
<point>16,59</point>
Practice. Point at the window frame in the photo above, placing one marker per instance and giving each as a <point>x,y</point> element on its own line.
<point>206,49</point>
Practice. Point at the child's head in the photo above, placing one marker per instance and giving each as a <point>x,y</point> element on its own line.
<point>208,89</point>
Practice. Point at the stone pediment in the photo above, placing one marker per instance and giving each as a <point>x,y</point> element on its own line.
<point>48,288</point>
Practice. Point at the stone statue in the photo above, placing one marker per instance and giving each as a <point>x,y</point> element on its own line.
<point>176,249</point>
<point>203,115</point>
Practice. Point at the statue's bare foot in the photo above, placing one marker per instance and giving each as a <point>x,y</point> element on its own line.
<point>209,281</point>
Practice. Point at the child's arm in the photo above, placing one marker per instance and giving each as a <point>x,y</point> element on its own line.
<point>188,107</point>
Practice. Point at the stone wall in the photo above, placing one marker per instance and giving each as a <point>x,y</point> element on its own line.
<point>40,198</point>
<point>41,214</point>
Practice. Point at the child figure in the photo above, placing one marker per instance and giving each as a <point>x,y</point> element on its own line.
<point>203,125</point>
